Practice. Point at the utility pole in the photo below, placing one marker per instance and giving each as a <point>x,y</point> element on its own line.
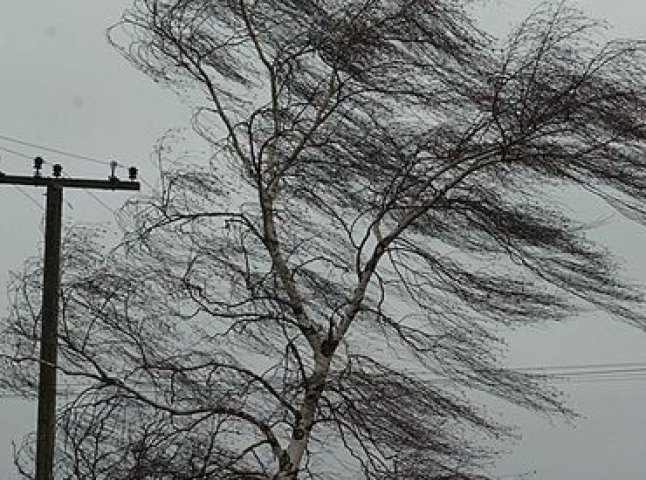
<point>46,422</point>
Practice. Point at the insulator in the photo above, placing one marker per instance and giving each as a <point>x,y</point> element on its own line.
<point>132,173</point>
<point>113,170</point>
<point>38,165</point>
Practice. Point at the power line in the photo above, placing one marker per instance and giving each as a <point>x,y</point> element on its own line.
<point>28,197</point>
<point>67,153</point>
<point>72,393</point>
<point>76,389</point>
<point>581,366</point>
<point>96,198</point>
<point>595,376</point>
<point>19,189</point>
<point>30,157</point>
<point>33,201</point>
<point>15,152</point>
<point>55,150</point>
<point>101,202</point>
<point>589,373</point>
<point>592,373</point>
<point>626,378</point>
<point>517,476</point>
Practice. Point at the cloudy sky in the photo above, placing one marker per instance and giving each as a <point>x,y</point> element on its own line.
<point>63,87</point>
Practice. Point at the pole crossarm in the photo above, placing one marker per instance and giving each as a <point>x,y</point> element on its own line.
<point>109,184</point>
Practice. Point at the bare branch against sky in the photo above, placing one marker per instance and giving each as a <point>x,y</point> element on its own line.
<point>328,290</point>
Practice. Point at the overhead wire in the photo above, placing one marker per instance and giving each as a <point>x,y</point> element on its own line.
<point>592,373</point>
<point>58,151</point>
<point>21,191</point>
<point>18,188</point>
<point>28,197</point>
<point>54,150</point>
<point>15,152</point>
<point>601,375</point>
<point>96,199</point>
<point>21,154</point>
<point>582,366</point>
<point>101,202</point>
<point>517,476</point>
<point>31,157</point>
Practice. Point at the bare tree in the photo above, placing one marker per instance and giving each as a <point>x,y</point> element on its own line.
<point>318,296</point>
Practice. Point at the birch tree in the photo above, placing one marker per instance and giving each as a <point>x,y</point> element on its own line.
<point>320,295</point>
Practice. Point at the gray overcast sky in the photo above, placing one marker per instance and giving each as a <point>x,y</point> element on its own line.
<point>61,85</point>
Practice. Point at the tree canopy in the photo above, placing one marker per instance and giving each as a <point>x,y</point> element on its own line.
<point>317,297</point>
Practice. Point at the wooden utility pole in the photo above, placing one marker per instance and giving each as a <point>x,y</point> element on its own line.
<point>46,423</point>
